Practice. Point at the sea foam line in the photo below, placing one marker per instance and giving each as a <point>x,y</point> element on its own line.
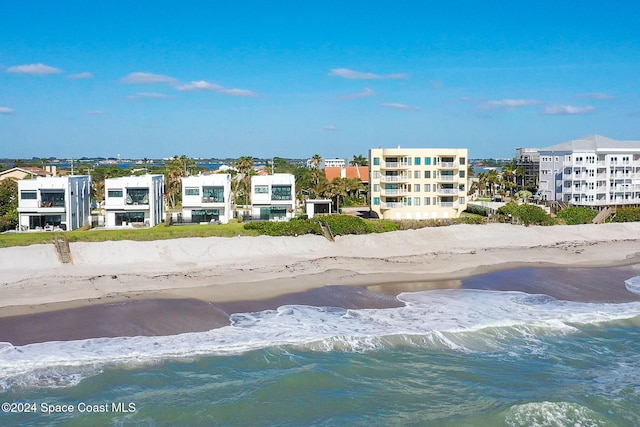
<point>460,320</point>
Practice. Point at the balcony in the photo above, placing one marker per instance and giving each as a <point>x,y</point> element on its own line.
<point>392,205</point>
<point>394,178</point>
<point>393,192</point>
<point>447,178</point>
<point>212,200</point>
<point>396,165</point>
<point>448,165</point>
<point>451,191</point>
<point>448,204</point>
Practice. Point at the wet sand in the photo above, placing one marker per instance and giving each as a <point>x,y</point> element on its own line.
<point>152,317</point>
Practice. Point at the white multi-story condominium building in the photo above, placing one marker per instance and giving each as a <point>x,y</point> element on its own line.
<point>134,201</point>
<point>63,202</point>
<point>418,183</point>
<point>328,163</point>
<point>593,171</point>
<point>273,197</point>
<point>206,198</point>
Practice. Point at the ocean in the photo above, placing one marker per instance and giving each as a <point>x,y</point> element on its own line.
<point>448,357</point>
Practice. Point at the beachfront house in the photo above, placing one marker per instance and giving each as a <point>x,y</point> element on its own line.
<point>134,201</point>
<point>273,197</point>
<point>62,202</point>
<point>206,198</point>
<point>418,183</point>
<point>594,171</point>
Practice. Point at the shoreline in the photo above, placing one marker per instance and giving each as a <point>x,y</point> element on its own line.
<point>256,270</point>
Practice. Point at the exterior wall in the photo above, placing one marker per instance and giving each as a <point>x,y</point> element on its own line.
<point>54,201</point>
<point>333,163</point>
<point>418,183</point>
<point>529,160</point>
<point>266,196</point>
<point>194,199</point>
<point>125,202</point>
<point>596,178</point>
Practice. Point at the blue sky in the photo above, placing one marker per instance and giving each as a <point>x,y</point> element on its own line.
<point>295,78</point>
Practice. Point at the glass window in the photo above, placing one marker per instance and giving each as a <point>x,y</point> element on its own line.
<point>427,201</point>
<point>427,160</point>
<point>213,194</point>
<point>205,215</point>
<point>416,187</point>
<point>262,189</point>
<point>52,199</point>
<point>115,193</point>
<point>462,160</point>
<point>376,200</point>
<point>376,161</point>
<point>416,174</point>
<point>461,200</point>
<point>408,199</point>
<point>137,196</point>
<point>28,195</point>
<point>461,174</point>
<point>427,188</point>
<point>427,174</point>
<point>281,192</point>
<point>128,217</point>
<point>416,161</point>
<point>416,201</point>
<point>376,187</point>
<point>191,191</point>
<point>376,174</point>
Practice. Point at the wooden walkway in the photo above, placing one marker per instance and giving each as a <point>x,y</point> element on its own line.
<point>62,248</point>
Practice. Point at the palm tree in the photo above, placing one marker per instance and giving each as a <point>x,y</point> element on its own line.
<point>244,165</point>
<point>336,189</point>
<point>316,160</point>
<point>359,160</point>
<point>175,170</point>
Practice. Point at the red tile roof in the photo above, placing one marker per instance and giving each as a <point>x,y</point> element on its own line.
<point>361,172</point>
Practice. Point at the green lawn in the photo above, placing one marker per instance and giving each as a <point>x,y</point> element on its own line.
<point>159,232</point>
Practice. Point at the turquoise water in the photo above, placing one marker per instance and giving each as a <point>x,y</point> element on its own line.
<point>449,358</point>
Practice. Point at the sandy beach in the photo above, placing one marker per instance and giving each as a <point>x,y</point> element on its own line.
<point>172,286</point>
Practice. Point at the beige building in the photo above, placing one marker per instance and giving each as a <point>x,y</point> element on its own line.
<point>418,183</point>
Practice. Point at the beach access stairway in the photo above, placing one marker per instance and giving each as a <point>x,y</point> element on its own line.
<point>603,215</point>
<point>326,231</point>
<point>62,248</point>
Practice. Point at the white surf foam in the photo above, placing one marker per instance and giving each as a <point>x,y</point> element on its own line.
<point>546,414</point>
<point>633,285</point>
<point>462,320</point>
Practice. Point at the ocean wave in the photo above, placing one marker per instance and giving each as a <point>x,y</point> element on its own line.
<point>633,285</point>
<point>544,414</point>
<point>458,320</point>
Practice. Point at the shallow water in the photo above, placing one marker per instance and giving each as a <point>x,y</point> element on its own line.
<point>449,357</point>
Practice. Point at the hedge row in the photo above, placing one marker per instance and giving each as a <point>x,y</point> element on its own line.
<point>577,215</point>
<point>294,227</point>
<point>527,214</point>
<point>626,215</point>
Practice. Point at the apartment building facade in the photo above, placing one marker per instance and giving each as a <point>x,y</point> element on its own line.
<point>273,197</point>
<point>594,171</point>
<point>206,198</point>
<point>134,201</point>
<point>47,203</point>
<point>528,159</point>
<point>418,183</point>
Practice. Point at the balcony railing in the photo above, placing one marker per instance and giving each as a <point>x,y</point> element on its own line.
<point>447,178</point>
<point>393,192</point>
<point>394,178</point>
<point>448,204</point>
<point>448,165</point>
<point>392,205</point>
<point>396,165</point>
<point>212,200</point>
<point>448,191</point>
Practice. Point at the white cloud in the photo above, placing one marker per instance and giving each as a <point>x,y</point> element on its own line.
<point>85,75</point>
<point>508,104</point>
<point>330,128</point>
<point>567,109</point>
<point>598,95</point>
<point>238,92</point>
<point>147,78</point>
<point>365,93</point>
<point>96,113</point>
<point>147,95</point>
<point>37,69</point>
<point>400,106</point>
<point>199,85</point>
<point>351,74</point>
<point>7,110</point>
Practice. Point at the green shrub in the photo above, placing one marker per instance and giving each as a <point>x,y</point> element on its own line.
<point>527,214</point>
<point>381,225</point>
<point>342,225</point>
<point>577,215</point>
<point>291,228</point>
<point>626,215</point>
<point>478,210</point>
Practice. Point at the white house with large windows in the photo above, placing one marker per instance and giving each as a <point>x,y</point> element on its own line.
<point>418,183</point>
<point>206,198</point>
<point>593,171</point>
<point>62,202</point>
<point>273,197</point>
<point>135,201</point>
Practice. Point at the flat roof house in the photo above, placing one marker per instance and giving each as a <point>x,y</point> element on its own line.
<point>273,197</point>
<point>54,202</point>
<point>593,171</point>
<point>206,198</point>
<point>134,201</point>
<point>418,183</point>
